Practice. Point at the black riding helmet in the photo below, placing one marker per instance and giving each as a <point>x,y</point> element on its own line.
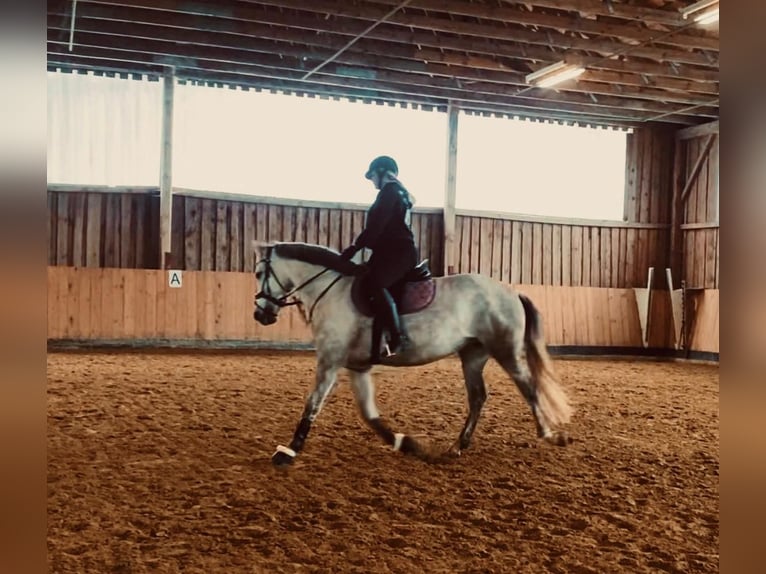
<point>382,164</point>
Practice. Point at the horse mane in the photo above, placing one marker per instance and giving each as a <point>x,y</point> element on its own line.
<point>317,255</point>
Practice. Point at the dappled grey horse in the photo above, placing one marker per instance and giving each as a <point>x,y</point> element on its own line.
<point>471,315</point>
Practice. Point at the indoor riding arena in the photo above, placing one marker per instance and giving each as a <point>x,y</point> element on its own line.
<point>166,400</point>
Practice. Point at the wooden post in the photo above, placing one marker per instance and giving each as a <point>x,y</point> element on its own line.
<point>677,214</point>
<point>681,192</point>
<point>697,166</point>
<point>166,168</point>
<point>449,191</point>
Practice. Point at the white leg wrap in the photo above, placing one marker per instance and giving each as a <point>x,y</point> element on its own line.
<point>398,438</point>
<point>288,451</point>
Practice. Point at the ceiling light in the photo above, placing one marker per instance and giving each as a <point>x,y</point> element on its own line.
<point>703,12</point>
<point>554,74</point>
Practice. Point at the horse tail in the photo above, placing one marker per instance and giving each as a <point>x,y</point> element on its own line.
<point>552,400</point>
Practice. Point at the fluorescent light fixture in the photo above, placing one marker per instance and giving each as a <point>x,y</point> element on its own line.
<point>554,74</point>
<point>707,17</point>
<point>703,12</point>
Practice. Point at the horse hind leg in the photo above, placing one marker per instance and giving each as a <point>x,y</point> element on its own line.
<point>515,364</point>
<point>473,357</point>
<point>364,393</point>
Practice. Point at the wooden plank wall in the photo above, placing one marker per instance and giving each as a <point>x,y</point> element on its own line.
<point>649,175</point>
<point>705,327</point>
<point>217,234</point>
<point>86,304</point>
<point>539,253</point>
<point>137,305</point>
<point>95,229</point>
<point>700,227</point>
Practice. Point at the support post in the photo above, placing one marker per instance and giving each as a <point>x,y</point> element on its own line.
<point>697,166</point>
<point>450,190</point>
<point>677,210</point>
<point>166,168</point>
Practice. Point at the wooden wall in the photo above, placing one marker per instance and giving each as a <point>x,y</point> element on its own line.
<point>700,227</point>
<point>648,175</point>
<point>113,304</point>
<point>91,228</point>
<point>704,329</point>
<point>579,273</point>
<point>540,252</point>
<point>212,234</point>
<point>136,306</point>
<point>86,304</point>
<point>101,228</point>
<point>111,229</point>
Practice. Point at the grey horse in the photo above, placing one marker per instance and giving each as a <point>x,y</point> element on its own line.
<point>472,315</point>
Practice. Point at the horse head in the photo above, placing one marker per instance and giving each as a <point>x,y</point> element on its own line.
<point>275,284</point>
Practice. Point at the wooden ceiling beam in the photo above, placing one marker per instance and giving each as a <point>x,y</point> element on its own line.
<point>139,37</point>
<point>292,70</point>
<point>637,80</point>
<point>287,27</point>
<point>506,14</point>
<point>411,21</point>
<point>242,35</point>
<point>485,108</point>
<point>611,9</point>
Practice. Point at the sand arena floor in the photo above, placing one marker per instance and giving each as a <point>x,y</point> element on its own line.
<point>159,462</point>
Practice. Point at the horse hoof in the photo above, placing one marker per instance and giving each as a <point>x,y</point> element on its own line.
<point>281,459</point>
<point>559,438</point>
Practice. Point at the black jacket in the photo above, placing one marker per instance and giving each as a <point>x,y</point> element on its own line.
<point>387,226</point>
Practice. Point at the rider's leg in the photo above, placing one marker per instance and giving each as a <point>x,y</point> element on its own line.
<point>386,309</point>
<point>385,269</point>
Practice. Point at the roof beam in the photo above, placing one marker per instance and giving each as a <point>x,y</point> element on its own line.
<point>612,9</point>
<point>291,69</point>
<point>369,96</point>
<point>358,37</point>
<point>141,38</point>
<point>698,131</point>
<point>508,15</point>
<point>255,13</point>
<point>247,32</point>
<point>283,26</point>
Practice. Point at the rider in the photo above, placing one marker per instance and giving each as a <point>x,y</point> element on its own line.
<point>387,234</point>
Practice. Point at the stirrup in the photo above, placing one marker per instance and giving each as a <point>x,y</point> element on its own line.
<point>404,344</point>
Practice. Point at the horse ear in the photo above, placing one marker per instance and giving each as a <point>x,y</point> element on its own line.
<point>260,248</point>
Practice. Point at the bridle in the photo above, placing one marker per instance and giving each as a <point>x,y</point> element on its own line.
<point>285,299</point>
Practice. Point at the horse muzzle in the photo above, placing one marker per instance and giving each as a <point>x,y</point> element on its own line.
<point>264,317</point>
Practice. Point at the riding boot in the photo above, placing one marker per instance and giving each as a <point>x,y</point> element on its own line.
<point>377,336</point>
<point>386,309</point>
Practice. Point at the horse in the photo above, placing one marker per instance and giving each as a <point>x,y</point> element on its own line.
<point>472,315</point>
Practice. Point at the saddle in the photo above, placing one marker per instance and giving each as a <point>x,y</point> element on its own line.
<point>412,293</point>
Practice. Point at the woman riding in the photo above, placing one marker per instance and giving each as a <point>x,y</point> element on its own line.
<point>388,235</point>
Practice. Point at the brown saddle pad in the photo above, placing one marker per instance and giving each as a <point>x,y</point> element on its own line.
<point>413,293</point>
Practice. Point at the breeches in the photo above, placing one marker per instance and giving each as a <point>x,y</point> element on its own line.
<point>387,268</point>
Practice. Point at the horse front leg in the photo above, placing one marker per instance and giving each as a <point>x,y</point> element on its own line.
<point>326,379</point>
<point>473,357</point>
<point>364,392</point>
